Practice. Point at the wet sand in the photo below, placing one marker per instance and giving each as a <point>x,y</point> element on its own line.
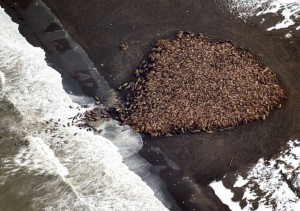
<point>101,27</point>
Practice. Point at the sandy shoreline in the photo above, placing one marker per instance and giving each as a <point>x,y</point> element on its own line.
<point>203,157</point>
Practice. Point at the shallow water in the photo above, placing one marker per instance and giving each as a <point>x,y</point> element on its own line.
<point>47,163</point>
<point>100,28</point>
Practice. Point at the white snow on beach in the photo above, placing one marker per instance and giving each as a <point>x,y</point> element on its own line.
<point>288,11</point>
<point>269,185</point>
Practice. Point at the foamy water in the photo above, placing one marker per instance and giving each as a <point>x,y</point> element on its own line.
<point>91,166</point>
<point>287,10</point>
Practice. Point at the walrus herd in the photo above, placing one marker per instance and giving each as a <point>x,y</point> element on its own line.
<point>192,84</point>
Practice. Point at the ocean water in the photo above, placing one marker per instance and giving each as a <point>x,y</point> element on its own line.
<point>47,165</point>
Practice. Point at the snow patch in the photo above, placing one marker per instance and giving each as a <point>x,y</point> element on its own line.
<point>273,184</point>
<point>289,10</point>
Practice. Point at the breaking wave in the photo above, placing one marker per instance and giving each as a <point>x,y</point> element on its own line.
<point>90,166</point>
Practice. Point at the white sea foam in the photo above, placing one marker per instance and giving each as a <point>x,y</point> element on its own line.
<point>272,183</point>
<point>288,10</point>
<point>40,157</point>
<point>2,83</point>
<point>90,165</point>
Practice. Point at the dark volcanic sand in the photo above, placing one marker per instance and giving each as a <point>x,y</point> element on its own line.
<point>100,27</point>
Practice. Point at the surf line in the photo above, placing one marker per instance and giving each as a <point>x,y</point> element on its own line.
<point>46,152</point>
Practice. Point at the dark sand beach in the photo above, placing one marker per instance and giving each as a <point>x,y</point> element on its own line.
<point>100,27</point>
